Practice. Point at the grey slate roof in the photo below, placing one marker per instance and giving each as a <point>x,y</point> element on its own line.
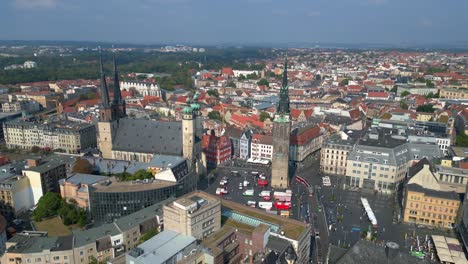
<point>80,178</point>
<point>162,247</point>
<point>34,244</point>
<point>433,193</point>
<point>165,161</point>
<point>85,237</point>
<point>148,136</point>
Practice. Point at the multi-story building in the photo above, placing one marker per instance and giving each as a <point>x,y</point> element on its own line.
<point>16,197</point>
<point>453,174</point>
<point>45,98</point>
<point>244,144</point>
<point>428,203</point>
<point>261,147</point>
<point>453,93</point>
<point>68,136</point>
<point>76,187</point>
<point>420,89</point>
<point>380,161</point>
<point>102,243</point>
<point>28,106</point>
<point>195,214</point>
<point>143,88</point>
<point>113,199</point>
<point>234,135</point>
<point>305,141</point>
<point>217,150</point>
<point>171,246</point>
<point>334,156</point>
<point>44,176</point>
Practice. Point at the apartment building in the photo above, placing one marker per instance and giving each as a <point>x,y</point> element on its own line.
<point>261,147</point>
<point>217,150</point>
<point>380,161</point>
<point>44,176</point>
<point>427,202</point>
<point>76,187</point>
<point>15,197</point>
<point>103,243</point>
<point>28,106</point>
<point>304,141</point>
<point>334,156</point>
<point>143,88</point>
<point>195,214</point>
<point>450,93</point>
<point>68,136</point>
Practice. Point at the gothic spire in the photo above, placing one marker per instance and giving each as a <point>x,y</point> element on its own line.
<point>285,74</point>
<point>117,96</point>
<point>104,89</point>
<point>283,105</point>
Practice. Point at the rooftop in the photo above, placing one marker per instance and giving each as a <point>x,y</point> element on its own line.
<point>433,193</point>
<point>114,185</point>
<point>292,229</point>
<point>161,247</point>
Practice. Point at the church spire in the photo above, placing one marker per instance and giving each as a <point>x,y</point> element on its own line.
<point>117,96</point>
<point>104,90</point>
<point>283,105</point>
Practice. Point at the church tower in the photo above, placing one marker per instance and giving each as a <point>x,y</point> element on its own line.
<point>200,166</point>
<point>281,137</point>
<point>109,112</point>
<point>188,133</point>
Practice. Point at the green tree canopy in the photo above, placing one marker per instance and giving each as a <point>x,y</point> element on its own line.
<point>462,140</point>
<point>215,115</point>
<point>138,175</point>
<point>146,236</point>
<point>264,116</point>
<point>344,82</point>
<point>405,93</point>
<point>231,84</point>
<point>213,92</point>
<point>263,82</point>
<point>47,206</point>
<point>403,105</point>
<point>425,108</point>
<point>430,84</point>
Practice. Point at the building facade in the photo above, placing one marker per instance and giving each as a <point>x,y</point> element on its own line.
<point>305,141</point>
<point>196,214</point>
<point>143,88</point>
<point>244,144</point>
<point>261,147</point>
<point>334,156</point>
<point>68,136</point>
<point>217,150</point>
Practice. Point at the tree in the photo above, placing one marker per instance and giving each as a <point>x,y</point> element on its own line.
<point>344,82</point>
<point>82,166</point>
<point>241,77</point>
<point>394,89</point>
<point>430,84</point>
<point>420,80</point>
<point>215,115</point>
<point>47,206</point>
<point>35,149</point>
<point>252,76</point>
<point>149,234</point>
<point>138,175</point>
<point>428,108</point>
<point>431,95</point>
<point>264,116</point>
<point>231,84</point>
<point>263,82</point>
<point>213,92</point>
<point>462,140</point>
<point>403,105</point>
<point>405,93</point>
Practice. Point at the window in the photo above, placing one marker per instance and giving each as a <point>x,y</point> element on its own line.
<point>38,259</point>
<point>56,258</point>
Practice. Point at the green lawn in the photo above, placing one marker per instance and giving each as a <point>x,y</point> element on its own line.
<point>54,227</point>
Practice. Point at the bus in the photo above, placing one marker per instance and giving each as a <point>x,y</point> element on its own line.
<point>370,213</point>
<point>282,205</point>
<point>283,196</point>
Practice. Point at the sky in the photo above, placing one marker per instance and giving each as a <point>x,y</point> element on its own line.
<point>237,21</point>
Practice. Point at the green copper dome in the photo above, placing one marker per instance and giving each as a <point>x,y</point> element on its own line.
<point>195,97</point>
<point>195,107</point>
<point>187,110</point>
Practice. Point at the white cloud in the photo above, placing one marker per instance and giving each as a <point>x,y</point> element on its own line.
<point>313,14</point>
<point>36,4</point>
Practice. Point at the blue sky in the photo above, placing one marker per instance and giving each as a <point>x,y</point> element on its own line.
<point>239,21</point>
